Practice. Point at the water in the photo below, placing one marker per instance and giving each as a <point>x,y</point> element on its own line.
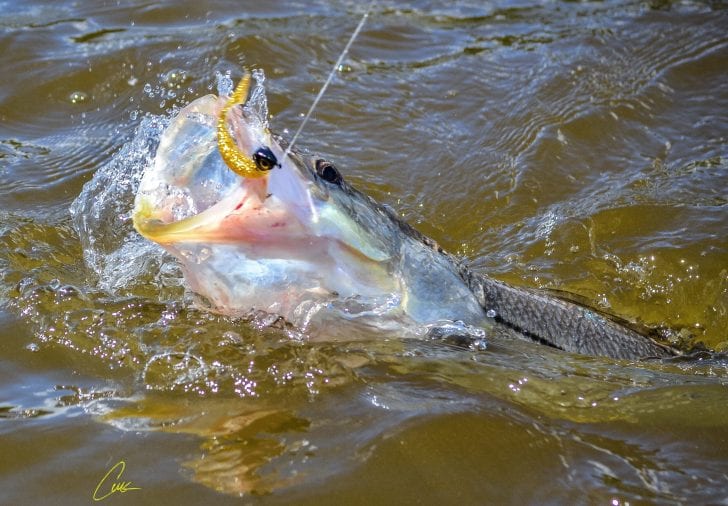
<point>568,146</point>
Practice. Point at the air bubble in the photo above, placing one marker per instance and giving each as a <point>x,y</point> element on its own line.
<point>491,313</point>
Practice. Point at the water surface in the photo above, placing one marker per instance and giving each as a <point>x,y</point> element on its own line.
<point>577,146</point>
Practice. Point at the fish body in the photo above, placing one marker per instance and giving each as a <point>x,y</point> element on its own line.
<point>298,241</point>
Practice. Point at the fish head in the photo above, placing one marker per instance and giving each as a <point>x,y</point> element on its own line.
<point>276,238</point>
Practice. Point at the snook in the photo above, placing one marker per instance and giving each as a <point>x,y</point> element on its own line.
<point>256,229</point>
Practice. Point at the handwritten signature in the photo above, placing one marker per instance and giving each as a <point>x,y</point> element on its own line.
<point>116,486</point>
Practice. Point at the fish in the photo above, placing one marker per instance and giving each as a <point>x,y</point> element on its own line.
<point>259,228</point>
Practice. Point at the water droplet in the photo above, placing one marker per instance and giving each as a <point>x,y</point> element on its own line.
<point>132,81</point>
<point>77,97</point>
<point>230,337</point>
<point>491,313</point>
<point>479,345</point>
<point>175,78</point>
<point>224,84</point>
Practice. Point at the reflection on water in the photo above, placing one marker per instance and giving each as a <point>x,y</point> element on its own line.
<point>578,147</point>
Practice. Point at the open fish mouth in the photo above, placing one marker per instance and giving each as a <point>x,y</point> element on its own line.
<point>191,194</point>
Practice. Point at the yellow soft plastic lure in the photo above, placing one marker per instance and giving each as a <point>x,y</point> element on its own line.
<point>231,155</point>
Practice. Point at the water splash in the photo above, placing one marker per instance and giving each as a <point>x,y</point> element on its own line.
<point>101,213</point>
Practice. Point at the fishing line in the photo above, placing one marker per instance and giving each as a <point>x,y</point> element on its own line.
<point>329,78</point>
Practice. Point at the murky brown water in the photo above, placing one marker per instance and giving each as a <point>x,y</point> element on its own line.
<point>573,146</point>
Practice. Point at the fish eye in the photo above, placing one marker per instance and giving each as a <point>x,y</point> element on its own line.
<point>328,172</point>
<point>265,159</point>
